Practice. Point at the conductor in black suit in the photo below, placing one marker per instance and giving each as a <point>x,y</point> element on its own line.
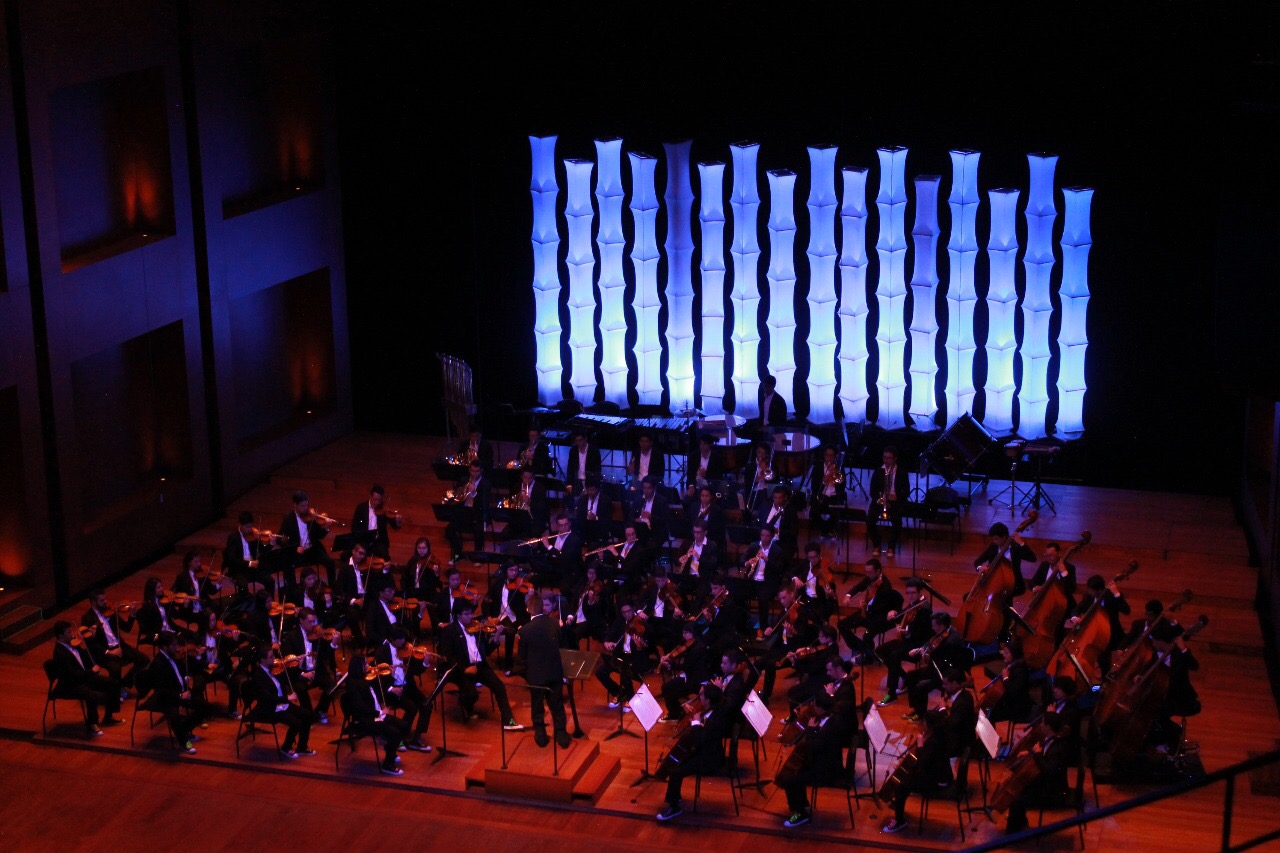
<point>540,652</point>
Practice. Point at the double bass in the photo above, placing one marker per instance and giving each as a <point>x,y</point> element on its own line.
<point>982,615</point>
<point>1037,626</point>
<point>1080,650</point>
<point>1130,664</point>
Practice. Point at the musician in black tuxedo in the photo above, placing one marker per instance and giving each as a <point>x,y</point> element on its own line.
<point>706,746</point>
<point>318,666</point>
<point>1114,605</point>
<point>587,610</point>
<point>535,455</point>
<point>797,629</point>
<point>945,650</point>
<point>379,618</point>
<point>304,531</point>
<point>704,507</point>
<point>649,511</point>
<point>444,609</point>
<point>203,593</point>
<point>819,762</point>
<point>476,449</point>
<point>468,654</point>
<point>647,460</point>
<point>420,577</point>
<point>962,711</point>
<point>627,653</point>
<point>705,466</point>
<point>1001,542</point>
<point>371,524</point>
<point>918,630</point>
<point>80,678</point>
<point>810,664</point>
<point>930,773</point>
<point>594,513</point>
<point>540,652</point>
<point>1052,754</point>
<point>312,594</point>
<point>1015,702</point>
<point>772,407</point>
<point>661,602</point>
<point>154,615</point>
<point>632,559</point>
<point>880,599</point>
<point>531,494</point>
<point>1052,565</point>
<point>400,688</point>
<point>780,515</point>
<point>763,567</point>
<point>107,643</point>
<point>826,490</point>
<point>244,553</point>
<point>469,511</point>
<point>689,665</point>
<point>735,680</point>
<point>506,602</point>
<point>354,591</point>
<point>584,459</point>
<point>890,488</point>
<point>701,560</point>
<point>172,691</point>
<point>728,623</point>
<point>367,714</point>
<point>280,704</point>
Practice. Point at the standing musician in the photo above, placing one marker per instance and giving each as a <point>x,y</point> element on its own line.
<point>764,566</point>
<point>1052,748</point>
<point>476,449</point>
<point>508,590</point>
<point>401,689</point>
<point>773,408</point>
<point>106,643</point>
<point>946,649</point>
<point>279,702</point>
<point>535,455</point>
<point>930,773</point>
<point>80,678</point>
<point>797,629</point>
<point>172,687</point>
<point>467,652</point>
<point>560,563</point>
<point>595,511</point>
<point>584,459</point>
<point>627,653</point>
<point>914,630</point>
<point>647,460</point>
<point>890,487</point>
<point>201,591</point>
<point>817,760</point>
<point>1113,604</point>
<point>871,615</point>
<point>529,495</point>
<point>702,559</point>
<point>826,489</point>
<point>372,523</point>
<point>817,585</point>
<point>317,665</point>
<point>540,653</point>
<point>471,501</point>
<point>1015,702</point>
<point>305,530</point>
<point>1000,543</point>
<point>242,555</point>
<point>649,512</point>
<point>706,749</point>
<point>704,468</point>
<point>703,507</point>
<point>781,515</point>
<point>588,614</point>
<point>367,714</point>
<point>688,665</point>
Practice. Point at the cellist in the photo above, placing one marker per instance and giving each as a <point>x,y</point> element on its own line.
<point>872,617</point>
<point>930,770</point>
<point>1181,700</point>
<point>1051,749</point>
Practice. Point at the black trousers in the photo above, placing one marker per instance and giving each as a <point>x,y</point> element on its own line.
<point>413,703</point>
<point>392,730</point>
<point>297,723</point>
<point>484,674</point>
<point>538,701</point>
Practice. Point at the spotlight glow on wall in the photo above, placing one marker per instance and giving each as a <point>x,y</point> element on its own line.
<point>546,269</point>
<point>1037,305</point>
<point>781,274</point>
<point>962,291</point>
<point>644,261</point>
<point>924,291</point>
<point>891,288</point>
<point>610,242</point>
<point>1073,338</point>
<point>744,201</point>
<point>679,249</point>
<point>822,284</point>
<point>711,267</point>
<point>853,297</point>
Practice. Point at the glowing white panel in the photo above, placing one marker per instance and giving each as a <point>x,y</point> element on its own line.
<point>581,261</point>
<point>1002,302</point>
<point>782,281</point>
<point>853,297</point>
<point>679,248</point>
<point>1073,338</point>
<point>612,283</point>
<point>1037,307</point>
<point>822,284</point>
<point>644,261</point>
<point>546,269</point>
<point>711,267</point>
<point>962,293</point>
<point>924,315</point>
<point>744,202</point>
<point>891,287</point>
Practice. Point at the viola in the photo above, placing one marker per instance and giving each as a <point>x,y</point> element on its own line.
<point>982,615</point>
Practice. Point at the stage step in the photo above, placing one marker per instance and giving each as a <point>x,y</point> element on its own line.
<point>13,621</point>
<point>597,778</point>
<point>28,637</point>
<point>528,773</point>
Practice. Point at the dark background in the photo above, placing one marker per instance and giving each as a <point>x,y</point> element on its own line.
<point>1168,111</point>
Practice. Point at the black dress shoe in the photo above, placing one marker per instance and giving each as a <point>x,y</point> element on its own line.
<point>563,740</point>
<point>540,738</point>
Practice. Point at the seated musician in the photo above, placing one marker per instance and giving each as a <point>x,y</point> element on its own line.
<point>906,634</point>
<point>890,486</point>
<point>371,523</point>
<point>627,654</point>
<point>529,513</point>
<point>506,602</point>
<point>279,703</point>
<point>961,708</point>
<point>945,649</point>
<point>444,610</point>
<point>818,760</point>
<point>704,507</point>
<point>649,512</point>
<point>700,560</point>
<point>420,577</point>
<point>1113,603</point>
<point>763,568</point>
<point>312,594</point>
<point>80,678</point>
<point>781,516</point>
<point>930,772</point>
<point>797,629</point>
<point>475,449</point>
<point>810,663</point>
<point>687,666</point>
<point>1151,614</point>
<point>588,614</point>
<point>594,513</point>
<point>154,615</point>
<point>840,687</point>
<point>871,615</point>
<point>219,644</point>
<point>317,667</point>
<point>1181,700</point>
<point>401,689</point>
<point>559,563</point>
<point>243,554</point>
<point>736,679</point>
<point>368,715</point>
<point>1052,745</point>
<point>647,461</point>
<point>352,592</point>
<point>632,559</point>
<point>535,455</point>
<point>107,643</point>
<point>467,653</point>
<point>663,604</point>
<point>758,480</point>
<point>200,591</point>
<point>706,747</point>
<point>826,489</point>
<point>816,584</point>
<point>172,688</point>
<point>584,459</point>
<point>1015,700</point>
<point>305,530</point>
<point>471,503</point>
<point>1053,565</point>
<point>379,616</point>
<point>704,468</point>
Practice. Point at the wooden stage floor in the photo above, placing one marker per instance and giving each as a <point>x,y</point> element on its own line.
<point>77,794</point>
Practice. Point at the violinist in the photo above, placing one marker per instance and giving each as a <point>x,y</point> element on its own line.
<point>305,531</point>
<point>649,512</point>
<point>244,553</point>
<point>627,650</point>
<point>420,577</point>
<point>797,629</point>
<point>663,605</point>
<point>728,623</point>
<point>1113,603</point>
<point>540,653</point>
<point>450,600</point>
<point>589,614</point>
<point>704,507</point>
<point>1181,700</point>
<point>911,630</point>
<point>827,489</point>
<point>595,512</point>
<point>372,523</point>
<point>999,543</point>
<point>1051,745</point>
<point>584,459</point>
<point>400,688</point>
<point>944,650</point>
<point>841,689</point>
<point>157,612</point>
<point>962,710</point>
<point>816,585</point>
<point>468,653</point>
<point>508,589</point>
<point>217,643</point>
<point>930,772</point>
<point>80,678</point>
<point>106,643</point>
<point>706,750</point>
<point>172,687</point>
<point>472,501</point>
<point>890,487</point>
<point>688,665</point>
<point>871,612</point>
<point>277,700</point>
<point>1015,676</point>
<point>810,664</point>
<point>312,594</point>
<point>367,714</point>
<point>317,664</point>
<point>781,516</point>
<point>380,617</point>
<point>764,567</point>
<point>194,583</point>
<point>818,760</point>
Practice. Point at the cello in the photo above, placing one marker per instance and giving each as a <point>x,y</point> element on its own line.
<point>982,615</point>
<point>1037,626</point>
<point>1078,655</point>
<point>1130,665</point>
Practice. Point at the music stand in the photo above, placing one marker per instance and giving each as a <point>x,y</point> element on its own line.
<point>1038,495</point>
<point>624,671</point>
<point>1017,494</point>
<point>578,666</point>
<point>444,751</point>
<point>647,711</point>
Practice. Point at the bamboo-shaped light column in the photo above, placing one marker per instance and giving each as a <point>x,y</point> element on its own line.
<point>679,247</point>
<point>611,242</point>
<point>744,202</point>
<point>853,297</point>
<point>962,293</point>
<point>1002,304</point>
<point>1037,306</point>
<point>924,315</point>
<point>581,261</point>
<point>546,269</point>
<point>644,262</point>
<point>891,287</point>
<point>822,284</point>
<point>781,275</point>
<point>711,267</point>
<point>1073,338</point>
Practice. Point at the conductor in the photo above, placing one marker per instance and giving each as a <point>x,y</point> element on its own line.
<point>540,652</point>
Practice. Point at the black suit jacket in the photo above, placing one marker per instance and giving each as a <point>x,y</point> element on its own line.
<point>540,650</point>
<point>290,531</point>
<point>484,452</point>
<point>573,476</point>
<point>233,554</point>
<point>541,458</point>
<point>713,518</point>
<point>168,685</point>
<point>453,645</point>
<point>657,532</point>
<point>376,623</point>
<point>380,535</point>
<point>267,689</point>
<point>657,463</point>
<point>901,486</point>
<point>775,567</point>
<point>786,525</point>
<point>777,408</point>
<point>98,642</point>
<point>715,466</point>
<point>68,666</point>
<point>962,721</point>
<point>1017,555</point>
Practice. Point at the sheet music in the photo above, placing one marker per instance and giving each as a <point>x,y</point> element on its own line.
<point>646,708</point>
<point>757,713</point>
<point>877,731</point>
<point>988,735</point>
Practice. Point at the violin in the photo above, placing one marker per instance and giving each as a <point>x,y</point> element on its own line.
<point>520,584</point>
<point>178,598</point>
<point>279,665</point>
<point>665,660</point>
<point>266,537</point>
<point>84,632</point>
<point>405,604</point>
<point>465,591</point>
<point>489,625</point>
<point>671,598</point>
<point>788,621</point>
<point>411,652</point>
<point>372,564</point>
<point>328,635</point>
<point>636,627</point>
<point>315,515</point>
<point>592,591</point>
<point>376,671</point>
<point>208,573</point>
<point>276,610</point>
<point>122,610</point>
